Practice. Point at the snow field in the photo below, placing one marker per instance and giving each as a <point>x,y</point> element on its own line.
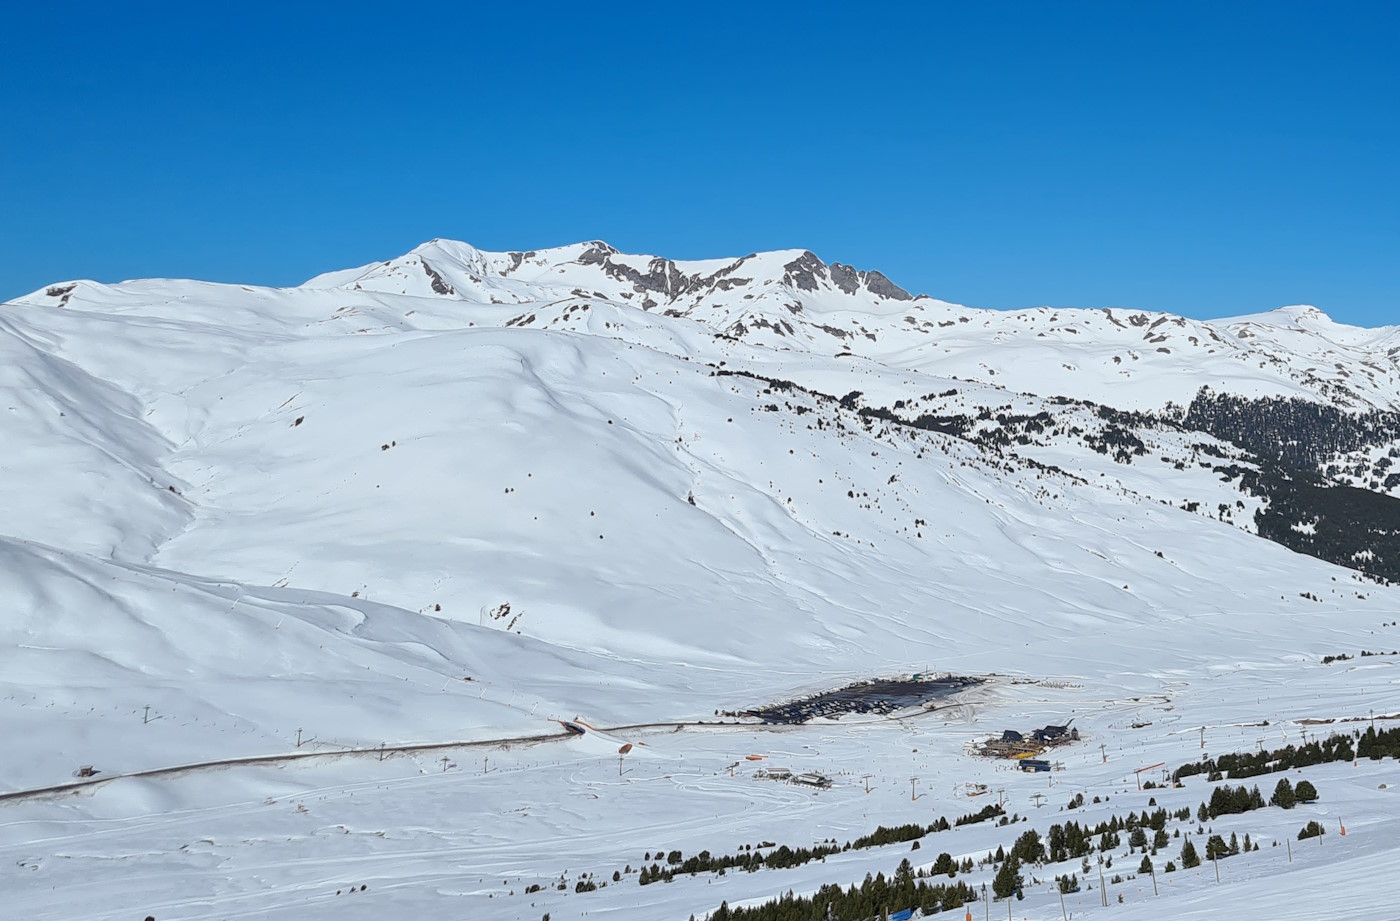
<point>366,512</point>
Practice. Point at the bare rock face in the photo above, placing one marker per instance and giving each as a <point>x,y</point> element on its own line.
<point>439,285</point>
<point>877,283</point>
<point>845,277</point>
<point>517,259</point>
<point>804,271</point>
<point>661,277</point>
<point>596,254</point>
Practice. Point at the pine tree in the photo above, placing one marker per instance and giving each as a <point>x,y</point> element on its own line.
<point>1028,847</point>
<point>1305,792</point>
<point>1008,879</point>
<point>1146,865</point>
<point>1284,795</point>
<point>1310,830</point>
<point>1189,857</point>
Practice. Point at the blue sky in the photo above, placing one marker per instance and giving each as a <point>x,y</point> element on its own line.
<point>1206,159</point>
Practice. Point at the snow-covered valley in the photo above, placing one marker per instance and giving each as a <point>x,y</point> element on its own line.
<point>404,521</point>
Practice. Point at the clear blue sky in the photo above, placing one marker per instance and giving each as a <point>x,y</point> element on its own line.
<point>1203,158</point>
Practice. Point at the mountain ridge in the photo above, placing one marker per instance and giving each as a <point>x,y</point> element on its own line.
<point>1036,383</point>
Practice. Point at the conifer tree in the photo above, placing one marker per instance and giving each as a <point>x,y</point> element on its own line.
<point>1008,878</point>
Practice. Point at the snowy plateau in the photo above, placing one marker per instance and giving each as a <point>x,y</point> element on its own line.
<point>467,585</point>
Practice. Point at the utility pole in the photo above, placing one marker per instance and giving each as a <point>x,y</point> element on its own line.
<point>298,738</point>
<point>381,751</point>
<point>1062,904</point>
<point>1203,737</point>
<point>444,764</point>
<point>1103,889</point>
<point>988,912</point>
<point>1038,797</point>
<point>1153,871</point>
<point>866,778</point>
<point>1290,849</point>
<point>912,782</point>
<point>1103,750</point>
<point>146,717</point>
<point>1216,861</point>
<point>485,764</point>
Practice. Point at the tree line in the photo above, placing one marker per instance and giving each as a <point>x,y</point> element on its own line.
<point>874,898</point>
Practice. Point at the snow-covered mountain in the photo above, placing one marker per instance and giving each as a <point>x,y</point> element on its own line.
<point>457,494</point>
<point>792,301</point>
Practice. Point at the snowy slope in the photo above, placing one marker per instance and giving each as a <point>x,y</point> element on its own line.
<point>459,495</point>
